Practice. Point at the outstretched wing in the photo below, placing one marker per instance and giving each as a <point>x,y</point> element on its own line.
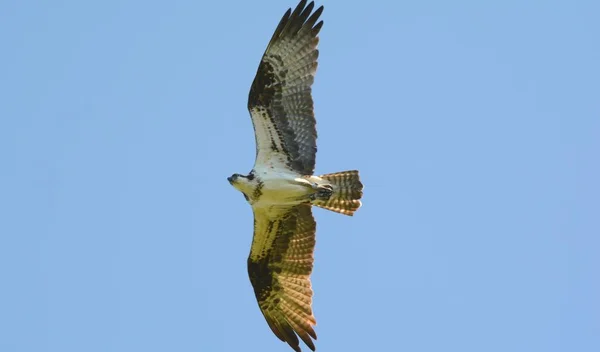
<point>280,101</point>
<point>280,263</point>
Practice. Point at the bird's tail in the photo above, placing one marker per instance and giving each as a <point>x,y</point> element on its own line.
<point>347,190</point>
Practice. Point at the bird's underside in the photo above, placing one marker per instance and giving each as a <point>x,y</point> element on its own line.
<point>281,188</point>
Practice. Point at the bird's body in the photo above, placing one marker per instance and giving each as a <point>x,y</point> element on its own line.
<point>281,187</point>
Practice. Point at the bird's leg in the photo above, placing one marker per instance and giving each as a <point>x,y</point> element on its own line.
<point>323,192</point>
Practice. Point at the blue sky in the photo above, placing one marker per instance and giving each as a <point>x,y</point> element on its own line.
<point>475,126</point>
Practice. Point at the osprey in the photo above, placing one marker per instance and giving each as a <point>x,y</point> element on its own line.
<point>281,188</point>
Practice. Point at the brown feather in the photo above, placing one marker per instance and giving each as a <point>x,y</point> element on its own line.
<point>281,282</point>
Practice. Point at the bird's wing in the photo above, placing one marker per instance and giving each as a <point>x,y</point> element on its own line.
<point>280,101</point>
<point>279,266</point>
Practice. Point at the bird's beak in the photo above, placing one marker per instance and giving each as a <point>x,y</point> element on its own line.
<point>230,179</point>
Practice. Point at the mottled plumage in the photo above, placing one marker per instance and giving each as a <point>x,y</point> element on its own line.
<point>281,188</point>
<point>279,267</point>
<point>282,87</point>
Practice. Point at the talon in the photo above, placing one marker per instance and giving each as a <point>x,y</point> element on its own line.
<point>324,191</point>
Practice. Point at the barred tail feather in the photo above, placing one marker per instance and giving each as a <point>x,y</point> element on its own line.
<point>347,190</point>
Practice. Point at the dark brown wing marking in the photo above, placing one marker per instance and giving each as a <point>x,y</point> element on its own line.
<point>280,101</point>
<point>279,266</point>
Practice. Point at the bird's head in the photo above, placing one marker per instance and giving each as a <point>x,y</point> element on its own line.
<point>242,183</point>
<point>233,178</point>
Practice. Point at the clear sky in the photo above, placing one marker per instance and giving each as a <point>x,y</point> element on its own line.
<point>475,125</point>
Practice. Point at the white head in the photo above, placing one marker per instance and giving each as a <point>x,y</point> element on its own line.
<point>244,184</point>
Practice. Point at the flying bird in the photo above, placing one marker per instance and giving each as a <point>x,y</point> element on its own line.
<point>281,187</point>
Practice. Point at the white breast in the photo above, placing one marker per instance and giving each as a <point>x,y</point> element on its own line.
<point>282,187</point>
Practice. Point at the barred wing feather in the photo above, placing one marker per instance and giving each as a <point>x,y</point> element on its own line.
<point>280,101</point>
<point>279,266</point>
